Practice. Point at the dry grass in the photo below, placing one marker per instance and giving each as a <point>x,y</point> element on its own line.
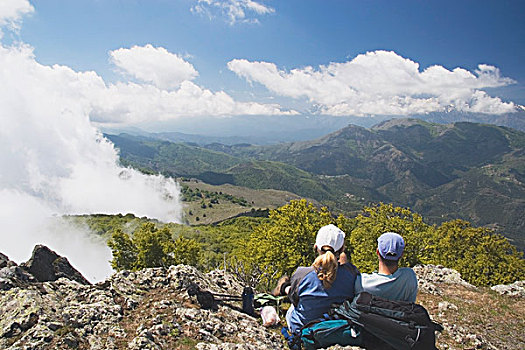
<point>257,199</point>
<point>498,320</point>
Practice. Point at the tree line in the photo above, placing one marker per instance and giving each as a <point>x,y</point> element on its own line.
<point>280,243</point>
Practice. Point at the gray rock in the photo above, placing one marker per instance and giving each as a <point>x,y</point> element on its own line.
<point>46,265</point>
<point>516,289</point>
<point>16,275</point>
<point>436,274</point>
<point>444,306</point>
<point>3,260</point>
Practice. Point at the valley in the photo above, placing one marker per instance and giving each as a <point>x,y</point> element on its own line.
<point>470,171</point>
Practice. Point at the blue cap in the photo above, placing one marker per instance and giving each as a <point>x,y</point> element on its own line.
<point>390,246</point>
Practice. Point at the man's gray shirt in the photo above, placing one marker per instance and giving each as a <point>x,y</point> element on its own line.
<point>401,285</point>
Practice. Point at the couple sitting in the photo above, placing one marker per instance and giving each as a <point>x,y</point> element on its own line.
<point>332,279</point>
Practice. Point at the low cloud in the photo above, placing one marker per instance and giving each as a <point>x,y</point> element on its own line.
<point>55,162</point>
<point>381,82</point>
<point>29,220</point>
<point>234,11</point>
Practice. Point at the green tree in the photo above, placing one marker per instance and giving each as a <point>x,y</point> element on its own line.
<point>151,247</point>
<point>478,254</point>
<point>286,241</point>
<point>376,220</point>
<point>187,251</point>
<point>155,247</point>
<point>124,251</point>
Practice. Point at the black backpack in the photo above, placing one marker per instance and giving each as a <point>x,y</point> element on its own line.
<point>402,325</point>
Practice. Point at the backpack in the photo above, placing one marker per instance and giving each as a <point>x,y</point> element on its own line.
<point>322,334</point>
<point>400,324</point>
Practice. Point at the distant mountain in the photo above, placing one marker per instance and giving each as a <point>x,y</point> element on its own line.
<point>462,170</point>
<point>512,120</point>
<point>268,130</point>
<point>213,167</point>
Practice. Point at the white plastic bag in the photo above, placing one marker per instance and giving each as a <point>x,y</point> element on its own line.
<point>269,316</point>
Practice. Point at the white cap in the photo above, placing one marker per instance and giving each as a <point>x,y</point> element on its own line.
<point>330,235</point>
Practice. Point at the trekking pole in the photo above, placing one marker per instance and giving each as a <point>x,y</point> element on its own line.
<point>208,299</point>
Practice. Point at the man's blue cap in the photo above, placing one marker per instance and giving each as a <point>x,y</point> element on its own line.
<point>390,246</point>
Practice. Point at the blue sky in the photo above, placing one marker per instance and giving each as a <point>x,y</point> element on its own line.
<point>296,56</point>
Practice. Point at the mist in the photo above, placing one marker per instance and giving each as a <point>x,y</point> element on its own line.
<point>54,162</point>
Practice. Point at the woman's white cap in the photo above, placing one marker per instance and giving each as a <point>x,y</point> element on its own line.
<point>330,235</point>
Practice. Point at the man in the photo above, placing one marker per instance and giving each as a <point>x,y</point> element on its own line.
<point>391,281</point>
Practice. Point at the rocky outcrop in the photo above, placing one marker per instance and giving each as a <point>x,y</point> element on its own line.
<point>148,309</point>
<point>46,265</point>
<point>516,289</point>
<point>153,309</point>
<point>430,276</point>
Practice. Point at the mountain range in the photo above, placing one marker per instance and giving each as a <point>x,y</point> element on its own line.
<point>265,130</point>
<point>461,170</point>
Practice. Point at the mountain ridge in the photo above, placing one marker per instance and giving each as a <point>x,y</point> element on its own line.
<point>466,166</point>
<point>266,130</point>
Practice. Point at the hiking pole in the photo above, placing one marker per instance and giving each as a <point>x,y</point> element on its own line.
<point>208,300</point>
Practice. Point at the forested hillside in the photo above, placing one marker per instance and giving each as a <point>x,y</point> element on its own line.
<point>469,171</point>
<point>262,249</point>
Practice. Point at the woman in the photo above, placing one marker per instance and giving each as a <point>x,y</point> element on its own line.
<point>313,289</point>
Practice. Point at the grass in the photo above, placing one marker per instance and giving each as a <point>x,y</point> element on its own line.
<point>256,199</point>
<point>497,319</point>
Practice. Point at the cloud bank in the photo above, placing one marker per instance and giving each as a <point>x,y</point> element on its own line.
<point>381,82</point>
<point>164,90</point>
<point>234,11</point>
<point>55,162</point>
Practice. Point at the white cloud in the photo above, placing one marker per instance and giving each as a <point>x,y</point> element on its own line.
<point>235,11</point>
<point>28,220</point>
<point>381,82</point>
<point>12,11</point>
<point>127,102</point>
<point>132,103</point>
<point>54,161</point>
<point>154,65</point>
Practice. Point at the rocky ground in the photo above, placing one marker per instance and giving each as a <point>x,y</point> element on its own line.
<point>46,304</point>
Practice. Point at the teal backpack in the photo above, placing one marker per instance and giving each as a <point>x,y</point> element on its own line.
<point>323,334</point>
